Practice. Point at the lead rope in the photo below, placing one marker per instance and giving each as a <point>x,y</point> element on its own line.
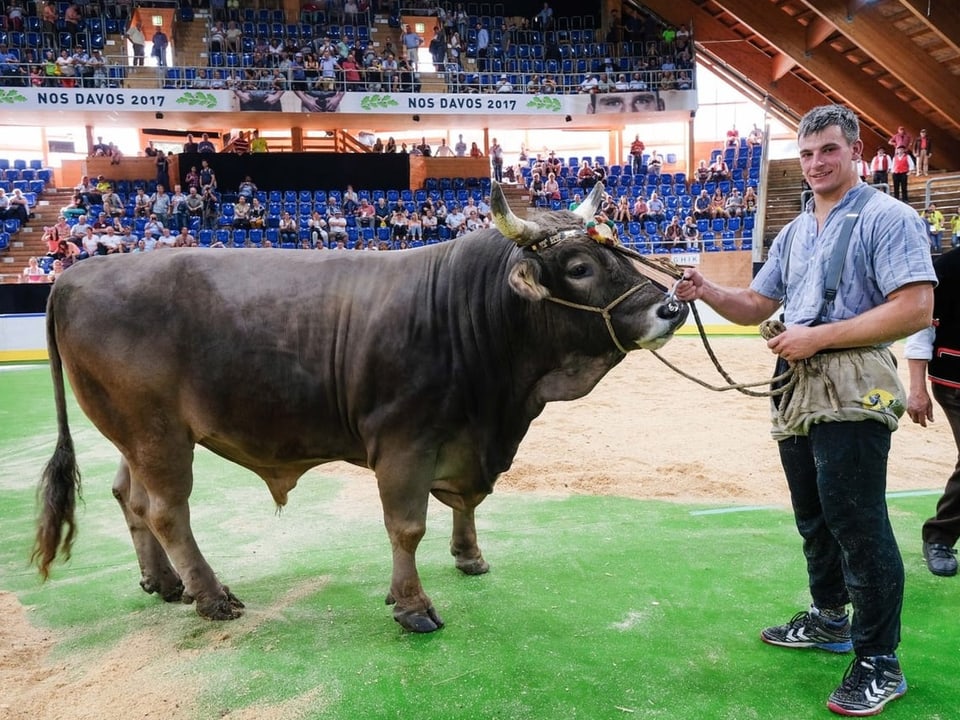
<point>768,329</point>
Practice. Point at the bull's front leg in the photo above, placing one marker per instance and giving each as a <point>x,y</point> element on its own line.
<point>405,517</point>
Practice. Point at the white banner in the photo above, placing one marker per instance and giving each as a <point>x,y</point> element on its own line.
<point>361,103</point>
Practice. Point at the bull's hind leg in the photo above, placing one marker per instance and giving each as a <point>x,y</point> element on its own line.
<point>405,517</point>
<point>463,543</point>
<point>156,573</point>
<point>163,469</point>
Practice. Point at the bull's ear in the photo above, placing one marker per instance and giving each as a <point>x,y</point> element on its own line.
<point>524,279</point>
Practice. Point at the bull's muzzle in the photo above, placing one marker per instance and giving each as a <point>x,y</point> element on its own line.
<point>670,309</point>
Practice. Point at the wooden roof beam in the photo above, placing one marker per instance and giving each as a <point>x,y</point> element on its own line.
<point>874,35</point>
<point>943,22</point>
<point>818,30</point>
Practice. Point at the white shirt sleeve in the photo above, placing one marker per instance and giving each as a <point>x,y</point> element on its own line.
<point>920,345</point>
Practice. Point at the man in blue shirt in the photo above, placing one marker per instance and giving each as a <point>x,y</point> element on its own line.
<point>833,432</point>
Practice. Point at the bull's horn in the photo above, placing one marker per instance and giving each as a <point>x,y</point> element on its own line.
<point>522,232</point>
<point>588,208</point>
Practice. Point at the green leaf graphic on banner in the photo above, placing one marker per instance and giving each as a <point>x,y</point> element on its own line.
<point>544,102</point>
<point>207,100</point>
<point>374,102</point>
<point>11,96</point>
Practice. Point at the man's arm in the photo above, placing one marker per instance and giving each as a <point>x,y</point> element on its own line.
<point>742,306</point>
<point>907,310</point>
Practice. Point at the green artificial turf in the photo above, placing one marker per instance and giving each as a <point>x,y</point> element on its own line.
<point>595,607</point>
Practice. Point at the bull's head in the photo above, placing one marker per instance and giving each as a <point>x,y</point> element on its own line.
<point>564,264</point>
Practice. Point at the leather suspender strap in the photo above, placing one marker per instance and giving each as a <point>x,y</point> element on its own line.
<point>832,281</point>
<point>839,256</point>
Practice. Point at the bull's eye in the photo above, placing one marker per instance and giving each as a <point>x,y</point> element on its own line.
<point>580,270</point>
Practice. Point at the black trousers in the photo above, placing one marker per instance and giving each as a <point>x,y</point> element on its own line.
<point>838,478</point>
<point>900,186</point>
<point>944,527</point>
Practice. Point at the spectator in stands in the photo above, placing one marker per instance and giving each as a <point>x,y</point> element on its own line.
<point>585,177</point>
<point>482,43</point>
<point>754,138</point>
<point>141,203</point>
<point>503,85</point>
<point>673,233</point>
<point>590,83</point>
<point>637,148</point>
<point>702,206</point>
<point>160,44</point>
<point>217,37</point>
<point>113,205</point>
<point>428,221</point>
<point>750,201</point>
<point>257,143</point>
<point>734,204</point>
<point>638,210</point>
<point>544,19</point>
<point>160,204</point>
<point>194,203</point>
<point>233,38</point>
<point>901,138</point>
<point>654,163</point>
<point>75,208</point>
<point>162,161</point>
<point>623,212</point>
<point>338,226</point>
<point>733,137</point>
<point>208,179</point>
<point>656,208</point>
<point>460,149</point>
<point>900,167</point>
<point>72,20</point>
<point>190,146</point>
<point>241,214</point>
<point>718,205</point>
<point>211,208</point>
<point>411,42</point>
<point>18,207</point>
<point>88,192</point>
<point>205,145</point>
<point>247,188</point>
<point>66,68</point>
<point>138,41</point>
<point>880,166</point>
<point>33,273</point>
<point>535,188</point>
<point>922,150</point>
<point>719,170</point>
<point>414,228</point>
<point>289,232</point>
<point>691,233</point>
<point>548,86</point>
<point>456,221</point>
<point>476,152</point>
<point>934,220</point>
<point>317,227</point>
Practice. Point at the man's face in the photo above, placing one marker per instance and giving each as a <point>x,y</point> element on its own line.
<point>827,160</point>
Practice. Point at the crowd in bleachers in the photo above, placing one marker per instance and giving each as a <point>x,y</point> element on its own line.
<point>21,183</point>
<point>658,211</point>
<point>329,47</point>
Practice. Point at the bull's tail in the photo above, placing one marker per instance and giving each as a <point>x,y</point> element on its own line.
<point>60,484</point>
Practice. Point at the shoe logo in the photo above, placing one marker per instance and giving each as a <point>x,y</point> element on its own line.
<point>874,693</point>
<point>797,634</point>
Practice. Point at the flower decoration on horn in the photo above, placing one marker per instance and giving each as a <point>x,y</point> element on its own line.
<point>603,230</point>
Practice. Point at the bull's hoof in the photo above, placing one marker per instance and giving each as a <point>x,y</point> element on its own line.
<point>170,591</point>
<point>472,566</point>
<point>418,622</point>
<point>225,606</point>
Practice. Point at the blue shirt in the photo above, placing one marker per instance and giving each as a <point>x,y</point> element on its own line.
<point>888,249</point>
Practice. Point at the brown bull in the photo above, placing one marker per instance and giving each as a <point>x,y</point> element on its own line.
<point>426,366</point>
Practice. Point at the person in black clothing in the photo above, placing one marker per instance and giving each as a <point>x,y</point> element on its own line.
<point>934,353</point>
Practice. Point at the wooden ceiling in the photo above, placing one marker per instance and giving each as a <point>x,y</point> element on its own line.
<point>896,62</point>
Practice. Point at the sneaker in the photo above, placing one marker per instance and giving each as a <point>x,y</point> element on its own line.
<point>809,629</point>
<point>868,685</point>
<point>941,559</point>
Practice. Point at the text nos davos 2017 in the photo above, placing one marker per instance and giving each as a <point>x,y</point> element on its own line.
<point>94,97</point>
